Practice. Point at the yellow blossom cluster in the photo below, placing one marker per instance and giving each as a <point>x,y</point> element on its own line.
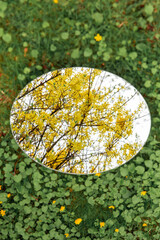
<point>63,113</point>
<point>143,192</point>
<point>98,37</point>
<point>3,212</point>
<point>78,220</point>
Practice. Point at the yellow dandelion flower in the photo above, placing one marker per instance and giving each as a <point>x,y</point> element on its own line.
<point>62,208</point>
<point>78,220</point>
<point>102,224</point>
<point>116,230</point>
<point>55,1</point>
<point>3,212</point>
<point>53,202</point>
<point>8,195</point>
<point>98,174</point>
<point>126,176</point>
<point>144,224</point>
<point>98,37</point>
<point>143,193</point>
<point>0,187</point>
<point>0,202</point>
<point>67,235</point>
<point>112,207</point>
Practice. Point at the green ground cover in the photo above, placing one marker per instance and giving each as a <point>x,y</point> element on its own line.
<point>37,37</point>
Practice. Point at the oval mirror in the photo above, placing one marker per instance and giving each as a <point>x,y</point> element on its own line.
<point>80,120</point>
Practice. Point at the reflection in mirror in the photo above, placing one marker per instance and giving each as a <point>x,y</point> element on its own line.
<point>80,120</point>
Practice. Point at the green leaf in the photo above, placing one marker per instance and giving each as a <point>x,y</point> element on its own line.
<point>98,17</point>
<point>53,47</point>
<point>147,84</point>
<point>133,55</point>
<point>140,169</point>
<point>14,156</point>
<point>144,65</point>
<point>21,77</point>
<point>75,187</point>
<point>77,33</point>
<point>27,209</point>
<point>3,6</point>
<point>154,70</point>
<point>8,168</point>
<point>17,178</point>
<point>39,67</point>
<point>139,160</point>
<point>45,24</point>
<point>2,15</point>
<point>148,9</point>
<point>154,63</point>
<point>1,151</point>
<point>142,22</point>
<point>4,143</point>
<point>44,208</point>
<point>141,47</point>
<point>128,218</point>
<point>64,35</point>
<point>1,32</point>
<point>25,44</point>
<point>57,223</point>
<point>106,56</point>
<point>37,175</point>
<point>88,52</point>
<point>158,153</point>
<point>150,19</point>
<point>138,219</point>
<point>7,37</point>
<point>124,171</point>
<point>148,163</point>
<point>10,49</point>
<point>37,186</point>
<point>75,53</point>
<point>88,183</point>
<point>3,197</point>
<point>26,70</point>
<point>135,200</point>
<point>91,201</point>
<point>122,52</point>
<point>116,214</point>
<point>34,53</point>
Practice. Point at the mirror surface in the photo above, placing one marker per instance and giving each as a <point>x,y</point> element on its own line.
<point>80,120</point>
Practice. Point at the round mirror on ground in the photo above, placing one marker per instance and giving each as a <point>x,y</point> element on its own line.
<point>80,120</point>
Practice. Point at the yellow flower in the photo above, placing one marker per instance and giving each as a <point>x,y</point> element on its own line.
<point>112,207</point>
<point>116,230</point>
<point>2,212</point>
<point>144,224</point>
<point>143,192</point>
<point>102,224</point>
<point>98,174</point>
<point>126,176</point>
<point>53,202</point>
<point>55,1</point>
<point>0,202</point>
<point>8,195</point>
<point>98,37</point>
<point>78,220</point>
<point>67,235</point>
<point>0,187</point>
<point>62,208</point>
